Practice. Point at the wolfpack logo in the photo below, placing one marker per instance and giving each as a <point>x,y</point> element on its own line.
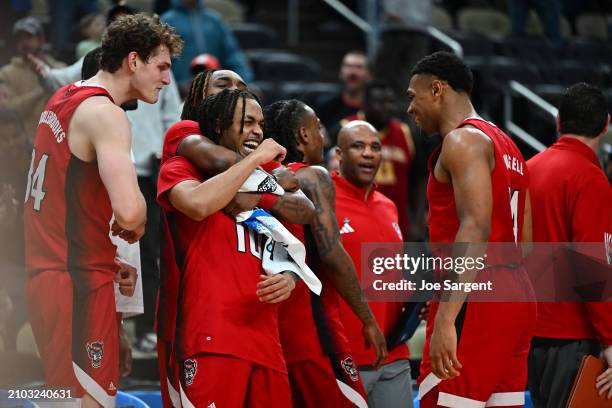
<point>95,351</point>
<point>350,368</point>
<point>112,387</point>
<point>268,185</point>
<point>191,368</point>
<point>608,245</point>
<point>346,228</point>
<point>398,231</point>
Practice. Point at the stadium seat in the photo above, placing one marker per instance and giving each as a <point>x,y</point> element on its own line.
<point>483,20</point>
<point>591,51</point>
<point>125,400</point>
<point>569,72</point>
<point>534,50</point>
<point>252,35</point>
<point>267,91</point>
<point>311,93</point>
<point>441,19</point>
<point>285,66</point>
<point>592,25</point>
<point>473,44</point>
<point>534,26</point>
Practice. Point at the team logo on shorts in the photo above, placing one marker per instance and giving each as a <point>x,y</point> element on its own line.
<point>349,366</point>
<point>191,368</point>
<point>268,185</point>
<point>95,352</point>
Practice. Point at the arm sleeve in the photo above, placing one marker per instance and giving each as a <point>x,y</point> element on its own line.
<point>58,77</point>
<point>172,172</point>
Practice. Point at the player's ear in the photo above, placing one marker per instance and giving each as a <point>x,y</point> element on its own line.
<point>218,127</point>
<point>605,128</point>
<point>436,88</point>
<point>131,61</point>
<point>558,122</point>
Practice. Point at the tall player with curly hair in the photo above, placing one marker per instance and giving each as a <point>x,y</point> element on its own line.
<point>81,174</point>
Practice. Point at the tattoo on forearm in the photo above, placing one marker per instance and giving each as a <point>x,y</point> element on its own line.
<point>325,233</point>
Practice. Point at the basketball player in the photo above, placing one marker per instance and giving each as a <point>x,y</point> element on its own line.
<point>475,353</point>
<point>80,175</point>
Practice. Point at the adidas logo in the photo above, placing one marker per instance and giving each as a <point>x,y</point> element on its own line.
<point>212,405</point>
<point>112,387</point>
<point>346,228</point>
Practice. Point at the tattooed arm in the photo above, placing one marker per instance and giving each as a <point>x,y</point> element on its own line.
<point>212,159</point>
<point>335,261</point>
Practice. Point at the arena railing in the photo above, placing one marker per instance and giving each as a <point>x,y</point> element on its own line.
<point>516,88</point>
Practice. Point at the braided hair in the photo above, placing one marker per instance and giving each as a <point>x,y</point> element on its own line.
<point>197,93</point>
<point>282,122</point>
<point>216,113</point>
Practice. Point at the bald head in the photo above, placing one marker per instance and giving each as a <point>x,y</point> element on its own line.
<point>359,153</point>
<point>352,130</point>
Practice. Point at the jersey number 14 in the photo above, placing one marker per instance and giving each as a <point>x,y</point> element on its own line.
<point>36,180</point>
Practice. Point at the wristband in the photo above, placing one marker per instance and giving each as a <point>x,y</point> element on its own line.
<point>267,201</point>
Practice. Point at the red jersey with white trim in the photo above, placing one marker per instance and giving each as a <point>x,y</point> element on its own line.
<point>219,311</point>
<point>67,208</point>
<point>572,202</point>
<point>364,219</point>
<point>393,175</point>
<point>509,180</point>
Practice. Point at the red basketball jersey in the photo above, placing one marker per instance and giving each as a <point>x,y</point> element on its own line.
<point>220,264</point>
<point>67,208</point>
<point>509,181</point>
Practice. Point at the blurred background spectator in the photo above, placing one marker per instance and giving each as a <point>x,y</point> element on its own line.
<point>204,31</point>
<point>92,27</point>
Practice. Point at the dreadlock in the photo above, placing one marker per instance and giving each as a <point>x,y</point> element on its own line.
<point>197,93</point>
<point>216,113</point>
<point>282,122</point>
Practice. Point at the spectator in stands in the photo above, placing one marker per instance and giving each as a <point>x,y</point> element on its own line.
<point>393,175</point>
<point>64,13</point>
<point>92,27</point>
<point>354,73</point>
<point>549,13</point>
<point>24,98</point>
<point>204,31</point>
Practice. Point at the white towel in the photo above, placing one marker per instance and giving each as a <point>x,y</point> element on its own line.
<point>130,254</point>
<point>283,251</point>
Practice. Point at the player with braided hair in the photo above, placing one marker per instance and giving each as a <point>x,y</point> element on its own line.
<point>186,140</point>
<point>227,310</point>
<point>310,327</point>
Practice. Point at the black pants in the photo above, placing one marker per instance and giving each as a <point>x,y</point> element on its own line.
<point>553,364</point>
<point>149,256</point>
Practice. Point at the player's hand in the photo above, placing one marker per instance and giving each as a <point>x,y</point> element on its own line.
<point>287,179</point>
<point>125,353</point>
<point>39,66</point>
<point>267,151</point>
<point>242,202</point>
<point>374,337</point>
<point>275,288</point>
<point>126,277</point>
<point>604,380</point>
<point>129,236</point>
<point>424,312</point>
<point>443,350</point>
